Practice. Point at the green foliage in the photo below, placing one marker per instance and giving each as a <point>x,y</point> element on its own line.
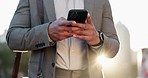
<point>7,58</point>
<point>6,61</point>
<point>24,63</point>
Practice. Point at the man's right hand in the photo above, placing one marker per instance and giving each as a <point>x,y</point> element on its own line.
<point>59,29</point>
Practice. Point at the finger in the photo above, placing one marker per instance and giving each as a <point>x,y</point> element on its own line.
<point>82,32</point>
<point>75,29</point>
<point>67,23</point>
<point>79,25</point>
<point>81,37</point>
<point>63,22</point>
<point>89,21</point>
<point>66,34</point>
<point>67,28</point>
<point>63,35</point>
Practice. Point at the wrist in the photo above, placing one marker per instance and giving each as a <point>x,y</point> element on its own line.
<point>49,32</point>
<point>101,39</point>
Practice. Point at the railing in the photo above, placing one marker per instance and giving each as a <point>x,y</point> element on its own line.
<point>17,63</point>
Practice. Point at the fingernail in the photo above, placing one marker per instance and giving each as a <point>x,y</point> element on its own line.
<point>74,35</point>
<point>74,22</point>
<point>88,14</point>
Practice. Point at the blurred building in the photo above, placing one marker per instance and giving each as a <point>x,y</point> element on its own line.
<point>125,65</point>
<point>143,67</point>
<point>3,37</point>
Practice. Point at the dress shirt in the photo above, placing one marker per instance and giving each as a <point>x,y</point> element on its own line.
<point>71,52</point>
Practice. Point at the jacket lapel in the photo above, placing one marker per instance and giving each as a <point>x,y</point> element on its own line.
<point>88,5</point>
<point>50,9</point>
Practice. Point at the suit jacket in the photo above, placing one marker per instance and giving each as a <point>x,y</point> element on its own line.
<point>27,33</point>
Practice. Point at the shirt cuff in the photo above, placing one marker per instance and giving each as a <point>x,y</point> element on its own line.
<point>96,49</point>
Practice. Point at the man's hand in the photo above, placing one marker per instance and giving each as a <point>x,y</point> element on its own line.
<point>59,29</point>
<point>86,32</point>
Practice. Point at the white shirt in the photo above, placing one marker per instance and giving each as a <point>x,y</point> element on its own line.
<point>71,52</point>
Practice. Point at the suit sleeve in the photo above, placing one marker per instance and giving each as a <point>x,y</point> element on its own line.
<point>111,43</point>
<point>22,36</point>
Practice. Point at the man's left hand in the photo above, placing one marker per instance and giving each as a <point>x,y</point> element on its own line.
<point>86,32</point>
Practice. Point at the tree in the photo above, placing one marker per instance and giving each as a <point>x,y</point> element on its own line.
<point>7,58</point>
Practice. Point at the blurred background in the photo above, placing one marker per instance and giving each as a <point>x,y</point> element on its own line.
<point>130,18</point>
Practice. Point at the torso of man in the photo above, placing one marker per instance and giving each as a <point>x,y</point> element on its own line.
<point>71,52</point>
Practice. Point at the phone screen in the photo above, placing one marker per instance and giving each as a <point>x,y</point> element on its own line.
<point>78,15</point>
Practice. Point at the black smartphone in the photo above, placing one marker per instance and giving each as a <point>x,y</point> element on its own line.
<point>78,15</point>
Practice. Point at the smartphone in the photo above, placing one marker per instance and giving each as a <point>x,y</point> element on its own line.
<point>78,15</point>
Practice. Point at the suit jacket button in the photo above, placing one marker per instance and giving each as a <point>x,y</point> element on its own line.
<point>53,64</point>
<point>51,43</point>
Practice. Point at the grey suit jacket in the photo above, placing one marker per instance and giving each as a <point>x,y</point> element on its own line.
<point>27,33</point>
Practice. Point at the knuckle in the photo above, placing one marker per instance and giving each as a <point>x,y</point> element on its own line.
<point>60,38</point>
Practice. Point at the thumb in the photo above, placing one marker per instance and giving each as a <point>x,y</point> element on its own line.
<point>89,21</point>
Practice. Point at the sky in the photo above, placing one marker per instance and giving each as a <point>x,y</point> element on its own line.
<point>132,13</point>
<point>7,9</point>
